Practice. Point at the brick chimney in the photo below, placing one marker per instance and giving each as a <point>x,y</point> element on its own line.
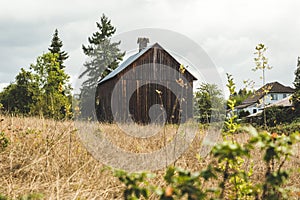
<point>142,43</point>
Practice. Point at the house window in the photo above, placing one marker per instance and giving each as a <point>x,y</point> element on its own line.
<point>274,97</point>
<point>284,95</point>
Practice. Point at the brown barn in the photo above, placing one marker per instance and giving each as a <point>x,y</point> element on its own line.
<point>150,86</point>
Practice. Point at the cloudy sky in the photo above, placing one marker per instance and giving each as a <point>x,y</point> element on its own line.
<point>227,30</point>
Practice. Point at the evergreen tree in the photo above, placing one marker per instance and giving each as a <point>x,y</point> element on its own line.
<point>296,95</point>
<point>55,47</point>
<point>104,56</point>
<point>106,30</point>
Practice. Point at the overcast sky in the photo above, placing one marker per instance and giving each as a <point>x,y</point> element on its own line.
<point>227,30</point>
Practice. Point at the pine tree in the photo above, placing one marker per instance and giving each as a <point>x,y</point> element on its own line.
<point>55,47</point>
<point>106,30</point>
<point>297,76</point>
<point>104,56</point>
<point>296,95</point>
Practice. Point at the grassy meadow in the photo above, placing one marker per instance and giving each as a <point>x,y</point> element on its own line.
<point>46,160</point>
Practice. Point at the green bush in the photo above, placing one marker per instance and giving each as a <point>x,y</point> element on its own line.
<point>3,197</point>
<point>276,115</point>
<point>3,141</point>
<point>32,196</point>
<point>231,179</point>
<point>286,129</point>
<point>225,174</point>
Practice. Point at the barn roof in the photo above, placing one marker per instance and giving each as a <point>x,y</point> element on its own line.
<point>129,61</point>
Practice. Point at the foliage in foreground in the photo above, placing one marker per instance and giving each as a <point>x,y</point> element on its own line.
<point>3,141</point>
<point>227,172</point>
<point>227,175</point>
<point>31,196</point>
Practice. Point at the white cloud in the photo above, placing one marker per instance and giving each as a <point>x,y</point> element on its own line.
<point>227,30</point>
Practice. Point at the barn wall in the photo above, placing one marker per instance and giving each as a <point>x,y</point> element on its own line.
<point>135,105</point>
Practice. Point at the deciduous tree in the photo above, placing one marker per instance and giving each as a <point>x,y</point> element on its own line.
<point>54,90</point>
<point>209,103</point>
<point>261,63</point>
<point>20,96</point>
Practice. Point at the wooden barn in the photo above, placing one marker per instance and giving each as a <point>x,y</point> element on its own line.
<point>150,86</point>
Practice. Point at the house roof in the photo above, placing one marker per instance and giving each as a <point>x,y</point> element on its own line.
<point>283,102</point>
<point>273,87</point>
<point>129,61</point>
<point>241,106</point>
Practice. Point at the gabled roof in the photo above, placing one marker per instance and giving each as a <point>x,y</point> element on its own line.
<point>129,61</point>
<point>273,87</point>
<point>243,105</point>
<point>124,64</point>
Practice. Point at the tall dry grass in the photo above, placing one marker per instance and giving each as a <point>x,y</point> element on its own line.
<point>46,156</point>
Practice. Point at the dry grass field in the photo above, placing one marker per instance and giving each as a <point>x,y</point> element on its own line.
<point>46,157</point>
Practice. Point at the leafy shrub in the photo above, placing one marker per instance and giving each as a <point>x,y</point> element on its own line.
<point>276,115</point>
<point>32,196</point>
<point>285,129</point>
<point>132,182</point>
<point>3,141</point>
<point>243,113</point>
<point>3,197</point>
<point>226,173</point>
<point>277,150</point>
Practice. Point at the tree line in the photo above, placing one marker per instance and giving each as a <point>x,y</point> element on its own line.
<point>44,89</point>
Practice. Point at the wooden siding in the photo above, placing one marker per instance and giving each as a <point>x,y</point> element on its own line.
<point>130,95</point>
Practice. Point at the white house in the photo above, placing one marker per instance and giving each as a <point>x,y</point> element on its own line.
<point>267,95</point>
